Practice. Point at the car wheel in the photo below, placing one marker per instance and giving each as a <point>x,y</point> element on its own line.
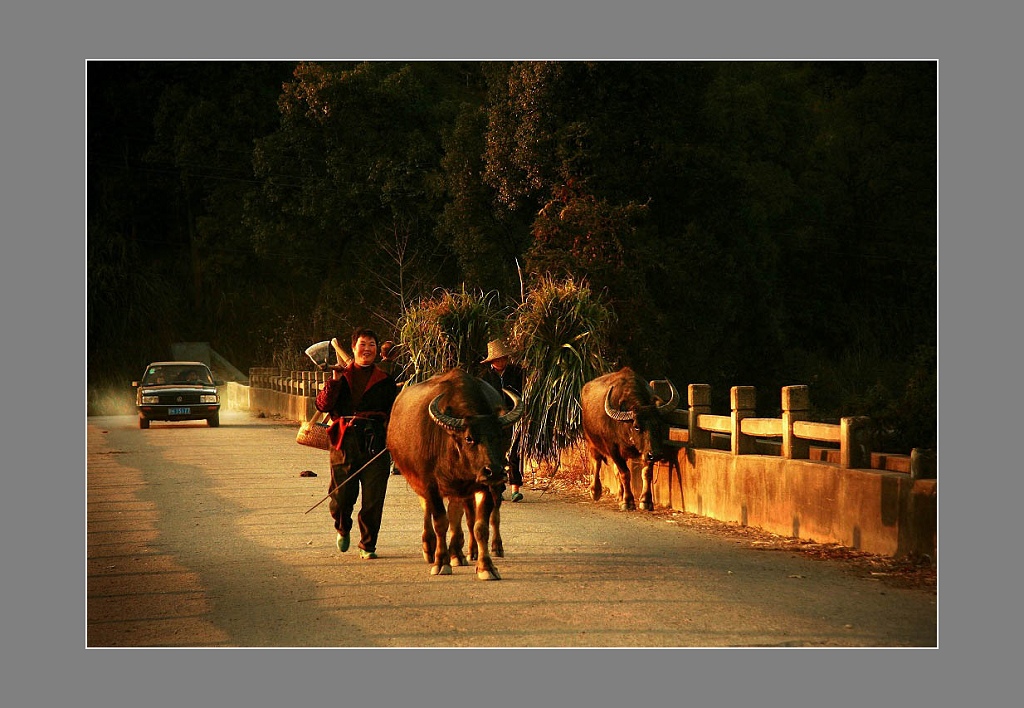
<point>143,422</point>
<point>214,420</point>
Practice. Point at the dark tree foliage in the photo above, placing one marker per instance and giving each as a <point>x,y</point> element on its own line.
<point>169,173</point>
<point>749,223</point>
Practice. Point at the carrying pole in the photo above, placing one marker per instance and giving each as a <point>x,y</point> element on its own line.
<point>345,481</point>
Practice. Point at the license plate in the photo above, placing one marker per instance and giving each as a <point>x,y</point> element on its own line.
<point>178,411</point>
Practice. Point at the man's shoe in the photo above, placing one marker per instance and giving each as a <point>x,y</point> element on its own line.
<point>367,555</point>
<point>343,542</point>
<point>516,496</point>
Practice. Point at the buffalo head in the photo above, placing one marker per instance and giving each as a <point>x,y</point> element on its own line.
<point>481,441</point>
<point>645,413</point>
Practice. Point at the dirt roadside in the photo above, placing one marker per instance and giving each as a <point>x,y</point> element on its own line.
<point>913,573</point>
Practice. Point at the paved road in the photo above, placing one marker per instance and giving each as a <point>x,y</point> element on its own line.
<point>198,537</point>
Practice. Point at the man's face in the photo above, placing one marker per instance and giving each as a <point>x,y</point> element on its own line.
<point>365,351</point>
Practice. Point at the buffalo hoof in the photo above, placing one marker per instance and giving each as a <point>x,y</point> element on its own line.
<point>627,506</point>
<point>440,570</point>
<point>459,560</point>
<point>595,494</point>
<point>497,551</point>
<point>647,506</point>
<point>487,575</point>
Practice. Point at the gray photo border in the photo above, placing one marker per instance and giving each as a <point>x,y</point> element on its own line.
<point>45,49</point>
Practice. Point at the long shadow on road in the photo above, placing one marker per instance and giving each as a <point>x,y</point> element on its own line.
<point>191,567</point>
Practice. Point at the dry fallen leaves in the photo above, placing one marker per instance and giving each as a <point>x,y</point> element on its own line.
<point>912,573</point>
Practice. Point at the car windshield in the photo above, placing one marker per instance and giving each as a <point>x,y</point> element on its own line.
<point>175,374</point>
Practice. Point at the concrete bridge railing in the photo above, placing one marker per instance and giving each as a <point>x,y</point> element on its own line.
<point>275,392</point>
<point>788,475</point>
<point>795,477</point>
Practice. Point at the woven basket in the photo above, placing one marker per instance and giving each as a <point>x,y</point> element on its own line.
<point>313,433</point>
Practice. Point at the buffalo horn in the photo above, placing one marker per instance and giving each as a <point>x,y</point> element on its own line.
<point>446,421</point>
<point>673,399</point>
<point>517,410</point>
<point>613,414</point>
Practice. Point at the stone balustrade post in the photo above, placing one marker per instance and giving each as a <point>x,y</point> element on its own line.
<point>698,397</point>
<point>796,405</point>
<point>854,442</point>
<point>923,463</point>
<point>743,401</point>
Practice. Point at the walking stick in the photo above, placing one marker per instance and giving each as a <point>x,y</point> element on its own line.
<point>346,480</point>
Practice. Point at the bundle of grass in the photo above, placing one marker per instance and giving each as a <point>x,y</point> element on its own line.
<point>449,330</point>
<point>560,333</point>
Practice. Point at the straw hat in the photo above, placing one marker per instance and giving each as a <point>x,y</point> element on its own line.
<point>496,350</point>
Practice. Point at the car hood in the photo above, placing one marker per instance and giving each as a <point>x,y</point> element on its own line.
<point>186,388</point>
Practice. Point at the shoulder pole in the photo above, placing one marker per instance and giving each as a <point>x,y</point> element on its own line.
<point>341,484</point>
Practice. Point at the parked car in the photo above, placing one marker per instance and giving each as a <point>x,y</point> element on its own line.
<point>177,390</point>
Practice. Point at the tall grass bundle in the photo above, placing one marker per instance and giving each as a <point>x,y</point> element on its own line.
<point>448,330</point>
<point>560,334</point>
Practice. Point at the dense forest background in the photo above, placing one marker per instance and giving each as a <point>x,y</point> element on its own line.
<point>749,223</point>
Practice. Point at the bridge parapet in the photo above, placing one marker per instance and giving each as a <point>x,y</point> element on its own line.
<point>796,477</point>
<point>790,436</point>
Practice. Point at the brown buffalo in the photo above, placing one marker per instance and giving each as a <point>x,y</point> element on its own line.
<point>622,421</point>
<point>449,437</point>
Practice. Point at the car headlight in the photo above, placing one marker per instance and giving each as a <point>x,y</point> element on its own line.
<point>208,398</point>
<point>151,399</point>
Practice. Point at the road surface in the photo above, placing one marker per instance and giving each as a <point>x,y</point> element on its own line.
<point>199,537</point>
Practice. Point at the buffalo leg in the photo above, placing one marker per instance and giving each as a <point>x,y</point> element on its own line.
<point>437,516</point>
<point>497,547</point>
<point>456,510</point>
<point>484,505</point>
<point>646,498</point>
<point>595,483</point>
<point>469,506</point>
<point>626,500</point>
<point>429,538</point>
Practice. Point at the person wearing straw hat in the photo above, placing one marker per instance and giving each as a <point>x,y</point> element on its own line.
<point>501,373</point>
<point>358,396</point>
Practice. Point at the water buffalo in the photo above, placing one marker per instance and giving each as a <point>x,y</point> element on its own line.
<point>449,437</point>
<point>622,421</point>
